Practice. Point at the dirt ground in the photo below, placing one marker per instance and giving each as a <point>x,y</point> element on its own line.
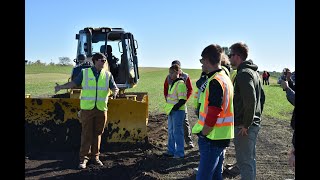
<point>144,160</point>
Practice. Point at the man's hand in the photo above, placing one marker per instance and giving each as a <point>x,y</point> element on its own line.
<point>206,129</point>
<point>243,131</point>
<point>292,159</point>
<point>288,75</point>
<point>57,88</point>
<point>284,85</point>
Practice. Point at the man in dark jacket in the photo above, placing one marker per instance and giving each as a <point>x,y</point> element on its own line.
<point>248,105</point>
<point>289,87</point>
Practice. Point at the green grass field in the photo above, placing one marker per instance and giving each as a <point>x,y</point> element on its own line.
<point>40,80</point>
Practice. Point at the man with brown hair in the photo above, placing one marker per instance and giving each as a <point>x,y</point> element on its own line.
<point>96,82</point>
<point>214,127</point>
<point>248,105</point>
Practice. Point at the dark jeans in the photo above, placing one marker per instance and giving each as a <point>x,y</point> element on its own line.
<point>211,160</point>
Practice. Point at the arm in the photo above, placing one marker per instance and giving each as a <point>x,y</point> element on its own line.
<point>189,87</point>
<point>262,99</point>
<point>248,94</point>
<point>290,95</point>
<point>289,92</point>
<point>214,106</point>
<point>67,85</point>
<point>165,88</point>
<point>76,82</point>
<point>113,86</point>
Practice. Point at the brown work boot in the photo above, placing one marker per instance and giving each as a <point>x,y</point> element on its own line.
<point>97,162</point>
<point>83,164</point>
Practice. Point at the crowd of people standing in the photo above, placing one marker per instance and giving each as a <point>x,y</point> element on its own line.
<point>229,101</point>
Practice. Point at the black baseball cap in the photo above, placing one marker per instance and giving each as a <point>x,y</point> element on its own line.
<point>176,62</point>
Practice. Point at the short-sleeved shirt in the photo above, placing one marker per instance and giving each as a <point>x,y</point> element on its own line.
<point>78,80</point>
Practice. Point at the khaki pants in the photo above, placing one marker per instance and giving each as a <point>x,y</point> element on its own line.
<point>93,123</point>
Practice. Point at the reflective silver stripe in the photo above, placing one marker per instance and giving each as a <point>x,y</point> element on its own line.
<point>102,88</point>
<point>107,82</point>
<point>86,77</point>
<point>201,118</point>
<point>93,98</point>
<point>182,94</point>
<point>171,101</point>
<point>172,96</point>
<point>88,88</point>
<point>226,99</point>
<point>88,98</point>
<point>224,120</point>
<point>102,99</point>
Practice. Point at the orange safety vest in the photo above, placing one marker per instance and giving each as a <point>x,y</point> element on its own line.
<point>224,127</point>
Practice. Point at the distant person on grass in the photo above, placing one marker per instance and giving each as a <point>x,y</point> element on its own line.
<point>175,109</point>
<point>248,101</point>
<point>215,127</point>
<point>265,78</point>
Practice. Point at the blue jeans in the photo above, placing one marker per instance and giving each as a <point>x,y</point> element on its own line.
<point>175,133</point>
<point>245,148</point>
<point>211,160</point>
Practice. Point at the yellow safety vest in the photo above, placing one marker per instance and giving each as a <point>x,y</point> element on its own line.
<point>178,91</point>
<point>224,127</point>
<point>94,93</point>
<point>226,70</point>
<point>196,98</point>
<point>233,75</point>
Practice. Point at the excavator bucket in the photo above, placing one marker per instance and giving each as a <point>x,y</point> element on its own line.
<point>128,118</point>
<point>54,123</point>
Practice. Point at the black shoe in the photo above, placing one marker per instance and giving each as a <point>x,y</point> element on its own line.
<point>189,146</point>
<point>166,154</point>
<point>97,162</point>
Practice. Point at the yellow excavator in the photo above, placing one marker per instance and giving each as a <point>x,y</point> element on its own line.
<point>53,122</point>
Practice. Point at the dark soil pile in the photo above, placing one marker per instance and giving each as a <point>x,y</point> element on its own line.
<point>144,160</point>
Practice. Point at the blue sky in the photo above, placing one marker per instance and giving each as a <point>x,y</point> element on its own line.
<point>167,30</point>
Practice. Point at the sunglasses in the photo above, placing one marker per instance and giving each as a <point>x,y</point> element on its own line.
<point>230,55</point>
<point>101,60</point>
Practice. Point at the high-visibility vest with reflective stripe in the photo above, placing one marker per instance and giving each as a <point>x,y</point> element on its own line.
<point>226,70</point>
<point>199,95</point>
<point>178,91</point>
<point>183,75</point>
<point>94,93</point>
<point>233,75</point>
<point>196,98</point>
<point>224,127</point>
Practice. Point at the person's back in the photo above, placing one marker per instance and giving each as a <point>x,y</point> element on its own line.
<point>82,64</point>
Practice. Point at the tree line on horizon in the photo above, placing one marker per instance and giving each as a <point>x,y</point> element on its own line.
<point>63,61</point>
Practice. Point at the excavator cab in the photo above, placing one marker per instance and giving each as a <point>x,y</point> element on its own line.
<point>54,123</point>
<point>123,47</point>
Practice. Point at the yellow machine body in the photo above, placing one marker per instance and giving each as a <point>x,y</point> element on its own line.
<point>55,121</point>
